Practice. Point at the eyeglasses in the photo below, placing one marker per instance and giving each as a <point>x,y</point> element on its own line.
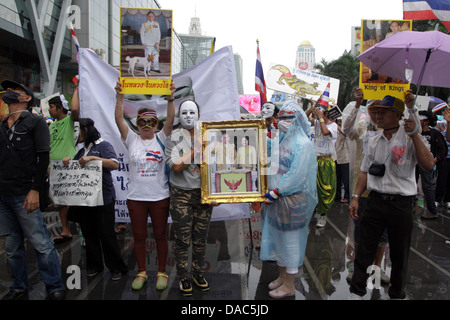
<point>149,123</point>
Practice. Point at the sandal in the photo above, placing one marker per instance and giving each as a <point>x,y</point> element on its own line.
<point>161,282</point>
<point>139,282</point>
<point>120,229</point>
<point>61,239</point>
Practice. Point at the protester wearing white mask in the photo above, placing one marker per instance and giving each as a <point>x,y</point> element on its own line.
<point>188,114</point>
<point>182,155</point>
<point>269,113</point>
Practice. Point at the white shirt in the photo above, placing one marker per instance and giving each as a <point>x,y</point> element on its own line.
<point>399,157</point>
<point>324,145</point>
<point>147,179</point>
<point>150,33</point>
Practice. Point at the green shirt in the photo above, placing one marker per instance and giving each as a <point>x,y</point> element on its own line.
<point>61,139</point>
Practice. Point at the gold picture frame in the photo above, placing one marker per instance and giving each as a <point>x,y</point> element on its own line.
<point>232,170</point>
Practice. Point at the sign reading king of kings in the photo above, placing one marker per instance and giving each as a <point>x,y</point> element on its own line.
<point>374,85</point>
<point>146,51</point>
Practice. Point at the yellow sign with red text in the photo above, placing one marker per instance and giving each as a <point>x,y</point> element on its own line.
<point>374,85</point>
<point>146,51</point>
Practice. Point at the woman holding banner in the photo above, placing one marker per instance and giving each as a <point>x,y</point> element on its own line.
<point>148,186</point>
<point>97,223</point>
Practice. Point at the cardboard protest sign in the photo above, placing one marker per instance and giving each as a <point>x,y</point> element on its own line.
<point>73,185</point>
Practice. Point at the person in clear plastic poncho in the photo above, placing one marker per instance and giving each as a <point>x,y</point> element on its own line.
<point>290,204</point>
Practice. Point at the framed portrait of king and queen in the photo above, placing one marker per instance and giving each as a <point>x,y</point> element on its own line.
<point>234,163</point>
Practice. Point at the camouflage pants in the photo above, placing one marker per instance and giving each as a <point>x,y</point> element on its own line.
<point>190,222</point>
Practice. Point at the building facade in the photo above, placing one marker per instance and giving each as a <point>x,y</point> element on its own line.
<point>306,56</point>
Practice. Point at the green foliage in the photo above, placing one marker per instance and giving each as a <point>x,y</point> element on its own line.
<point>346,69</point>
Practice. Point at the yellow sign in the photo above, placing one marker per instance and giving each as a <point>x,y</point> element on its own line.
<point>374,85</point>
<point>146,51</point>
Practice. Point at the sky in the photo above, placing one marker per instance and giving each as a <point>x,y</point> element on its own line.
<point>280,26</point>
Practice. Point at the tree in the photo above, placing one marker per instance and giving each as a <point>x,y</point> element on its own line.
<point>346,69</point>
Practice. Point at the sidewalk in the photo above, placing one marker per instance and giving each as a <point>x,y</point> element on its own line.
<point>235,272</point>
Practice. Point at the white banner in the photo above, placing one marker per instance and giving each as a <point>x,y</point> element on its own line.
<point>212,83</point>
<point>73,185</point>
<point>306,84</point>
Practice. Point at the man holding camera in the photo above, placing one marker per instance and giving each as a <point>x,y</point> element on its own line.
<point>388,170</point>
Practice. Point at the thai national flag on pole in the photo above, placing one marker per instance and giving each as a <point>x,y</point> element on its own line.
<point>260,84</point>
<point>325,98</point>
<point>74,38</point>
<point>427,10</point>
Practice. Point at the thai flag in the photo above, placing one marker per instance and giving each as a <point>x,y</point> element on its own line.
<point>154,156</point>
<point>440,106</point>
<point>260,84</point>
<point>427,10</point>
<point>74,37</point>
<point>325,98</point>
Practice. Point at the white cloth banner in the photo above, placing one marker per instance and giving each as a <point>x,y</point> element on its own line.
<point>74,185</point>
<point>212,83</point>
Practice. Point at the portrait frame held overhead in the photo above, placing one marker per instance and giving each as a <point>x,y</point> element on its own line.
<point>234,169</point>
<point>145,50</point>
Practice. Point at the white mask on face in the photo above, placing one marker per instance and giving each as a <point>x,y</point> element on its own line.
<point>188,114</point>
<point>283,126</point>
<point>267,110</point>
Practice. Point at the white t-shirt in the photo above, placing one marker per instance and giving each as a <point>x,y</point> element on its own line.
<point>147,179</point>
<point>324,145</point>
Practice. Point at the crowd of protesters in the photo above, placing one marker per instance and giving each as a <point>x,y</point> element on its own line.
<point>395,146</point>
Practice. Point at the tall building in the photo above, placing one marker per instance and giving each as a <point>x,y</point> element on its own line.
<point>37,48</point>
<point>196,46</point>
<point>306,56</point>
<point>195,28</point>
<point>239,72</point>
<point>356,41</point>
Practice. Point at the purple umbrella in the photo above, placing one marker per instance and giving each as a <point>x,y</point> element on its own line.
<point>425,54</point>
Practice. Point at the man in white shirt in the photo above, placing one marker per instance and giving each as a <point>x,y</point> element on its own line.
<point>150,37</point>
<point>388,170</point>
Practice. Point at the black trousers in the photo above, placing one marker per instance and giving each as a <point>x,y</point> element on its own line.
<point>443,181</point>
<point>395,214</point>
<point>97,225</point>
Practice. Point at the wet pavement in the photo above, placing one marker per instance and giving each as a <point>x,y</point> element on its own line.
<point>235,271</point>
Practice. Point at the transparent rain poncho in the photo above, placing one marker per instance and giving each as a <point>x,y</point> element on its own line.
<point>293,170</point>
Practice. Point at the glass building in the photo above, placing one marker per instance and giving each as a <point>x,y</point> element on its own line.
<point>46,62</point>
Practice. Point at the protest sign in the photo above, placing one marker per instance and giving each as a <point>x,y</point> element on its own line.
<point>146,51</point>
<point>74,185</point>
<point>334,113</point>
<point>374,85</point>
<point>302,83</point>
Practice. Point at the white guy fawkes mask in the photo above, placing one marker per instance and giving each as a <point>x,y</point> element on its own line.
<point>188,114</point>
<point>267,110</point>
